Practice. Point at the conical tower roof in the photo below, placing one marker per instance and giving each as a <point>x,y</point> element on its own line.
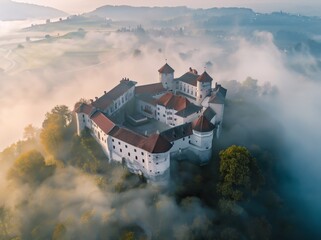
<point>166,69</point>
<point>202,124</point>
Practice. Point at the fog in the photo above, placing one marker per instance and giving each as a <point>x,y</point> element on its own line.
<point>72,197</point>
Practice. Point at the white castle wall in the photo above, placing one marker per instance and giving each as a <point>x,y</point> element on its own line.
<point>167,80</point>
<point>139,160</point>
<point>219,109</point>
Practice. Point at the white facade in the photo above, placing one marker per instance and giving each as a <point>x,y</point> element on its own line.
<point>154,166</point>
<point>167,80</point>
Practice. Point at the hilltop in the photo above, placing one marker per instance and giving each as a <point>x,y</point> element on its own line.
<point>10,10</point>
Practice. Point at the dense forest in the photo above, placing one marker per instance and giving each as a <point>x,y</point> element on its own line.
<point>56,185</point>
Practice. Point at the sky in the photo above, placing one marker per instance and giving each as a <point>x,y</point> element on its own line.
<point>311,7</point>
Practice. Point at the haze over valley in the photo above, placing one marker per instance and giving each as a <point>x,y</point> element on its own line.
<point>270,63</point>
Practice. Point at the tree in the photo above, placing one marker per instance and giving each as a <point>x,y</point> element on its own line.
<point>30,132</point>
<point>54,131</point>
<point>30,167</point>
<point>239,174</point>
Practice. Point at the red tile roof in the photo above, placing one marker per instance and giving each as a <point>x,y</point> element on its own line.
<point>153,89</point>
<point>171,101</point>
<point>204,77</point>
<point>85,108</point>
<point>166,69</point>
<point>157,144</point>
<point>203,125</point>
<point>103,122</point>
<point>107,99</point>
<point>153,144</point>
<point>127,136</point>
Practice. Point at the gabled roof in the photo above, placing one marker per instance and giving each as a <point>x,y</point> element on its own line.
<point>103,122</point>
<point>171,101</point>
<point>189,78</point>
<point>178,132</point>
<point>107,99</point>
<point>220,89</point>
<point>85,108</point>
<point>189,110</point>
<point>204,77</point>
<point>209,113</point>
<point>127,136</point>
<point>157,144</point>
<point>217,98</point>
<point>202,124</point>
<point>153,89</point>
<point>153,144</point>
<point>166,69</point>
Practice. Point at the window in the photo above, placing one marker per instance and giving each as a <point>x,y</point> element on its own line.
<point>157,163</point>
<point>118,143</point>
<point>121,150</point>
<point>125,146</point>
<point>164,115</point>
<point>142,153</point>
<point>150,170</point>
<point>143,160</point>
<point>136,157</point>
<point>183,139</point>
<point>158,113</point>
<point>113,140</point>
<point>135,150</point>
<point>114,147</point>
<point>128,154</point>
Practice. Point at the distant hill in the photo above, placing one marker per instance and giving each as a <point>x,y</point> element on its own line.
<point>127,13</point>
<point>137,13</point>
<point>10,10</point>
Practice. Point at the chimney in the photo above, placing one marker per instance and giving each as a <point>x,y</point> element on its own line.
<point>105,92</point>
<point>91,100</point>
<point>96,98</point>
<point>191,69</point>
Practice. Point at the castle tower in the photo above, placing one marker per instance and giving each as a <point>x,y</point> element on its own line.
<point>166,76</point>
<point>204,86</point>
<point>202,138</point>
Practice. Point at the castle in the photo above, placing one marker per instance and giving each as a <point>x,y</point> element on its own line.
<point>144,127</point>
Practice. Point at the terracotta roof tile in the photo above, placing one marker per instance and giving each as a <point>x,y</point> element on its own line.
<point>153,144</point>
<point>85,108</point>
<point>166,69</point>
<point>128,136</point>
<point>202,124</point>
<point>205,77</point>
<point>103,122</point>
<point>171,101</point>
<point>157,144</point>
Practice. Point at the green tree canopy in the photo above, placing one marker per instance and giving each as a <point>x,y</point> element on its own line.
<point>55,130</point>
<point>239,174</point>
<point>30,167</point>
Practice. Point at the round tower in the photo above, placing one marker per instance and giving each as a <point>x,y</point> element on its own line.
<point>202,138</point>
<point>204,86</point>
<point>166,76</point>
